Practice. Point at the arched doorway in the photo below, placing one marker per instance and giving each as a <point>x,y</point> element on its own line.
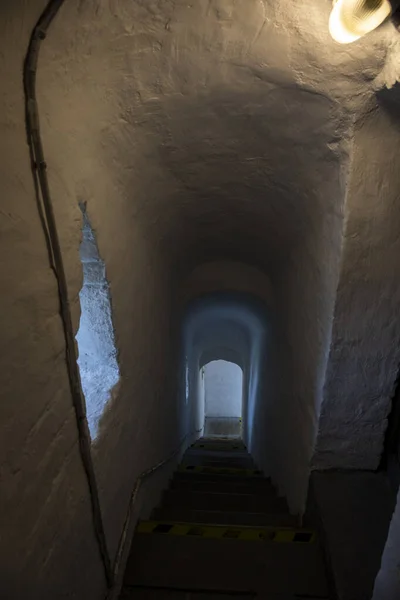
<point>223,398</point>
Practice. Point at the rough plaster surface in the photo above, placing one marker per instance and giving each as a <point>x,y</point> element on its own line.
<point>355,510</point>
<point>226,276</point>
<point>387,583</point>
<point>222,130</point>
<point>195,131</point>
<point>223,382</point>
<point>48,548</point>
<point>364,350</point>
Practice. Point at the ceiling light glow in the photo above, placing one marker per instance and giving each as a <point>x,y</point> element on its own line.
<point>351,19</point>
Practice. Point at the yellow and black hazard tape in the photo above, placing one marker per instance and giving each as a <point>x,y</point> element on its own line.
<point>219,532</point>
<point>219,470</point>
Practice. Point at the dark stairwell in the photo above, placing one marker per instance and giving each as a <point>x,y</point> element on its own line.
<point>221,531</point>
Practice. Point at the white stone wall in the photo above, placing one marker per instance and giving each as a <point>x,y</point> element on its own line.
<point>234,147</point>
<point>387,584</point>
<point>365,347</point>
<point>223,383</point>
<point>48,548</point>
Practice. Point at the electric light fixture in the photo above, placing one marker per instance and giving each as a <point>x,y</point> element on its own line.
<point>352,19</point>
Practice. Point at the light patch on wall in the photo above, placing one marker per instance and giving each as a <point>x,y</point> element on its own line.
<point>187,381</point>
<point>97,359</point>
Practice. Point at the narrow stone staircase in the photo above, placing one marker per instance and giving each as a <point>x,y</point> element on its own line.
<point>220,532</point>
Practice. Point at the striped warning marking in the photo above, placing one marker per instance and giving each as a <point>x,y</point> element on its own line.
<point>220,470</point>
<point>219,532</point>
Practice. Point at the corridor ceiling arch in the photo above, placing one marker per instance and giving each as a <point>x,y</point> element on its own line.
<point>226,276</point>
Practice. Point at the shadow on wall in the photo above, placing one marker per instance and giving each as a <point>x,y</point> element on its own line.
<point>97,359</point>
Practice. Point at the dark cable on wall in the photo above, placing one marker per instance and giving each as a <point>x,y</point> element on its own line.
<point>46,211</point>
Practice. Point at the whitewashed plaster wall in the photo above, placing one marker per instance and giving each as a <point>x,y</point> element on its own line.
<point>144,420</point>
<point>225,276</point>
<point>48,548</point>
<point>387,583</point>
<point>365,346</point>
<point>219,131</point>
<point>364,343</point>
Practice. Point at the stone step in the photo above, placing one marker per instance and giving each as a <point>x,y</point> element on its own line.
<point>244,462</point>
<point>193,476</point>
<point>148,593</point>
<point>217,454</point>
<point>264,503</point>
<point>219,445</point>
<point>213,470</point>
<point>190,563</point>
<point>229,426</point>
<point>226,439</point>
<point>224,518</point>
<point>240,486</point>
